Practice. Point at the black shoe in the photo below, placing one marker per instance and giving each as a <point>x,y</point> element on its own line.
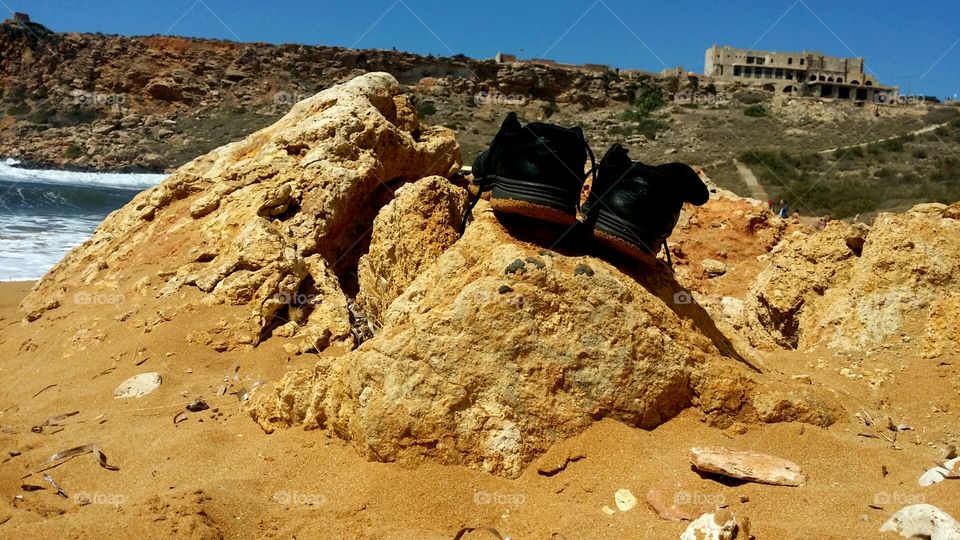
<point>535,171</point>
<point>634,207</point>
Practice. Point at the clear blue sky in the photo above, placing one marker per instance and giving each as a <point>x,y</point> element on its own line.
<point>913,44</point>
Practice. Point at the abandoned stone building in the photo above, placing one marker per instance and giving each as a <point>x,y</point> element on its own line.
<point>798,73</point>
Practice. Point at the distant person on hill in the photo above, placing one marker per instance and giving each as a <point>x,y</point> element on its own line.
<point>770,204</point>
<point>784,209</point>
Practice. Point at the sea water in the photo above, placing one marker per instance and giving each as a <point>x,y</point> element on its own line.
<point>46,213</point>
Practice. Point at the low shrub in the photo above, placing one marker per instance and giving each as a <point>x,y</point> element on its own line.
<point>72,152</point>
<point>755,111</point>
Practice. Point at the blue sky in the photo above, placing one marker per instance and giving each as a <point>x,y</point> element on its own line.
<point>913,44</point>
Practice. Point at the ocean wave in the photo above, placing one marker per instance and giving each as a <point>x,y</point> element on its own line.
<point>31,245</point>
<point>11,173</point>
<point>46,213</point>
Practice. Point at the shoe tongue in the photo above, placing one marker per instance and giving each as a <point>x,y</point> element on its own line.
<point>511,123</point>
<point>684,183</point>
<point>618,157</point>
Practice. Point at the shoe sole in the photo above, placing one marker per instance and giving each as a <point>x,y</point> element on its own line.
<point>537,201</point>
<point>613,232</point>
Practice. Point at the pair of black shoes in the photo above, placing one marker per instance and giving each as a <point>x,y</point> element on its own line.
<point>539,171</point>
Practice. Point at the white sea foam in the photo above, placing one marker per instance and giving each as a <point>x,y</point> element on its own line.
<point>31,245</point>
<point>114,180</point>
<point>32,241</point>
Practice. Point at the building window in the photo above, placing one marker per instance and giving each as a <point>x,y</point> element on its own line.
<point>789,61</point>
<point>789,75</point>
<point>737,70</point>
<point>801,61</point>
<point>760,61</point>
<point>778,74</point>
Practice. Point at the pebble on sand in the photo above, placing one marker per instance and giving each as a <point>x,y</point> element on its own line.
<point>625,500</point>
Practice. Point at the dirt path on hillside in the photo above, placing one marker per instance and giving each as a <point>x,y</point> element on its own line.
<point>914,133</point>
<point>756,190</point>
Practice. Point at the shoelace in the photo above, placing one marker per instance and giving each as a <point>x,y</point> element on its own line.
<point>484,185</point>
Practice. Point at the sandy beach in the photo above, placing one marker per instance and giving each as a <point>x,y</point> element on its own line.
<point>216,474</point>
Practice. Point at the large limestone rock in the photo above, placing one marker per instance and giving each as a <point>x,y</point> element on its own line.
<point>259,232</point>
<point>850,288</point>
<point>499,348</point>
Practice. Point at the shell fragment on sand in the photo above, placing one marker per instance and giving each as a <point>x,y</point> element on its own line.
<point>747,465</point>
<point>138,386</point>
<point>625,500</point>
<point>923,521</point>
<point>61,457</point>
<point>950,469</point>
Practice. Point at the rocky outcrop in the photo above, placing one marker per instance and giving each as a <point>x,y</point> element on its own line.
<point>500,348</point>
<point>261,230</point>
<point>850,288</point>
<point>800,271</point>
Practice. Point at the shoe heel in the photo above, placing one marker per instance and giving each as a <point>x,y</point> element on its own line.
<point>536,201</point>
<point>612,232</point>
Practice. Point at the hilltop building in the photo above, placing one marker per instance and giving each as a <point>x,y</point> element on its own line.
<point>798,73</point>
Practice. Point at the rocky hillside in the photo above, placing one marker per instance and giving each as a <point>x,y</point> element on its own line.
<point>114,102</point>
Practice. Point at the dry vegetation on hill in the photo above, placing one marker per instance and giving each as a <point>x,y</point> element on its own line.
<point>155,103</point>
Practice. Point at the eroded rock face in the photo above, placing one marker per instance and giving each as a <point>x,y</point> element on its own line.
<point>264,226</point>
<point>501,348</point>
<point>910,264</point>
<point>409,234</point>
<point>851,288</point>
<point>802,268</point>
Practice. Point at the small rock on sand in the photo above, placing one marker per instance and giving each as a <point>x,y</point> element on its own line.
<point>138,385</point>
<point>625,500</point>
<point>747,465</point>
<point>672,502</point>
<point>714,268</point>
<point>720,525</point>
<point>923,521</point>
